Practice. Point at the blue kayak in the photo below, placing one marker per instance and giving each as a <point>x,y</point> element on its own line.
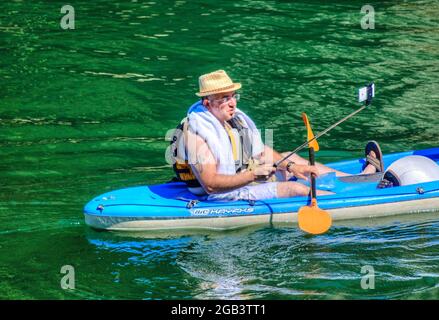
<point>171,206</point>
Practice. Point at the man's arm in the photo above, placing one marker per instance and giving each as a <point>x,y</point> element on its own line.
<point>300,171</point>
<point>272,155</point>
<point>204,166</point>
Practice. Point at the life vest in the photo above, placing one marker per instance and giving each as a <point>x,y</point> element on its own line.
<point>241,144</point>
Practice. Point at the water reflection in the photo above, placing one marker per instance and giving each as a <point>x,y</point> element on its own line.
<point>282,262</point>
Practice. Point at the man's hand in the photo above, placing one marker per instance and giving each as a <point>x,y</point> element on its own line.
<point>302,171</point>
<point>263,172</point>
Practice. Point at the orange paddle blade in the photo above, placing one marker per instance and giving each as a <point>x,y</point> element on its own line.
<point>313,144</point>
<point>314,220</point>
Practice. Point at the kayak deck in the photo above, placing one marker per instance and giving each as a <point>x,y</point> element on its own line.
<point>172,206</point>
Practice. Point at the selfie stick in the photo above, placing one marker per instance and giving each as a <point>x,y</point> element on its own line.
<point>365,94</point>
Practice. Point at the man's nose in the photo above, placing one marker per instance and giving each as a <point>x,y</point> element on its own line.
<point>232,102</point>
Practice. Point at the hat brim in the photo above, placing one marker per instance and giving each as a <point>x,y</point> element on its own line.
<point>234,87</point>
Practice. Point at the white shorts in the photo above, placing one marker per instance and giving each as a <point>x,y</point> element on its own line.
<point>261,191</point>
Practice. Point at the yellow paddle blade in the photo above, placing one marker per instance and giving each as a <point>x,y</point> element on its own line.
<point>314,220</point>
<point>313,144</point>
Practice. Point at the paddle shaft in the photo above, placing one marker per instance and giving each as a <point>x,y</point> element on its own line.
<point>319,135</point>
<point>313,176</point>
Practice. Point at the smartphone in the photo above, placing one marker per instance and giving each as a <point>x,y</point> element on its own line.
<point>366,93</point>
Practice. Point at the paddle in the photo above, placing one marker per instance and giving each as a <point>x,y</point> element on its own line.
<point>312,143</point>
<point>311,218</point>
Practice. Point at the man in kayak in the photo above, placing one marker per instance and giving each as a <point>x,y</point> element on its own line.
<point>225,158</point>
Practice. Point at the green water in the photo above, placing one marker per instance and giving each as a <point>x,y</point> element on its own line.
<point>85,111</point>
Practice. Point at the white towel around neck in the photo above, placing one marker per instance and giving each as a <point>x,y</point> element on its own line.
<point>203,123</point>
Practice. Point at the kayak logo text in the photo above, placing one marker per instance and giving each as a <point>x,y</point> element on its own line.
<point>206,212</point>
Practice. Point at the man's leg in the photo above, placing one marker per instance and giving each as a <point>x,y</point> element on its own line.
<point>325,169</point>
<point>291,189</point>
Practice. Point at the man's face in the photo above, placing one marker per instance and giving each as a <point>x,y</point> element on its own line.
<point>223,105</point>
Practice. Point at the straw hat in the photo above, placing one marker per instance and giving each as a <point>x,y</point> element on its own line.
<point>216,82</point>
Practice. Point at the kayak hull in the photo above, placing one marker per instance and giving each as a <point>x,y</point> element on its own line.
<point>234,222</point>
<point>172,207</point>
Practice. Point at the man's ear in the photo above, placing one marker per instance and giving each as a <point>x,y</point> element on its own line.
<point>205,102</point>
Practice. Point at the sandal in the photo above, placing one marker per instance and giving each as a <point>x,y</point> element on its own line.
<point>377,161</point>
